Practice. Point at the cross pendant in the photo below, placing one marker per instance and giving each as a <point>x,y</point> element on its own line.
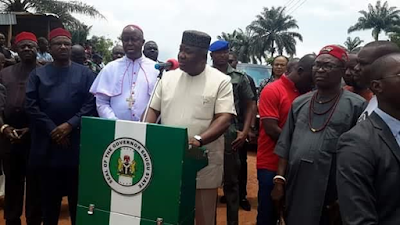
<point>130,101</point>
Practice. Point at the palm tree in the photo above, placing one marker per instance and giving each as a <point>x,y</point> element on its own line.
<point>352,44</point>
<point>61,8</point>
<point>229,37</point>
<point>378,18</point>
<point>240,42</point>
<point>79,33</point>
<point>272,32</point>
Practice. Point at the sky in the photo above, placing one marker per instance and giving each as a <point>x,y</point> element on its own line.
<point>321,22</point>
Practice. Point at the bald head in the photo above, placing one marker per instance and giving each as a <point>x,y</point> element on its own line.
<point>385,83</point>
<point>78,54</point>
<point>374,50</point>
<point>385,66</point>
<point>371,52</point>
<point>292,65</point>
<point>150,50</point>
<point>302,74</point>
<point>307,62</point>
<point>118,52</point>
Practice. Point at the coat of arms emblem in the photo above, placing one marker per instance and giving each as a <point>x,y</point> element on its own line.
<point>127,166</point>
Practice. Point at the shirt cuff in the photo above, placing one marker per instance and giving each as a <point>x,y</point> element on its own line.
<point>74,122</point>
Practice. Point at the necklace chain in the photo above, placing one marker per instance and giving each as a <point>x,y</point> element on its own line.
<point>331,109</point>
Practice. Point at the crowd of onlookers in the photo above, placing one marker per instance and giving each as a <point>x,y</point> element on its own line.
<point>328,138</point>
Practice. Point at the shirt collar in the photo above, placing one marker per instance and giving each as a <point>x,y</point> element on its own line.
<point>393,123</point>
<point>230,69</point>
<point>288,83</point>
<point>139,60</point>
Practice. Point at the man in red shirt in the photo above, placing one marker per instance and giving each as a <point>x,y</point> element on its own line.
<point>274,105</point>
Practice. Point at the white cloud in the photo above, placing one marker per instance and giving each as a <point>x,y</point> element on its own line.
<point>321,21</point>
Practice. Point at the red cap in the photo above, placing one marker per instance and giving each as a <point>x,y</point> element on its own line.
<point>59,32</point>
<point>23,36</point>
<point>134,26</point>
<point>335,51</point>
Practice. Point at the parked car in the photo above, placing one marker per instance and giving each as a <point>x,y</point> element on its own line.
<point>258,73</point>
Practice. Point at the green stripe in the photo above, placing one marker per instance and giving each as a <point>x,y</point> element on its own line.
<point>139,168</point>
<point>92,187</point>
<point>114,165</point>
<point>162,198</point>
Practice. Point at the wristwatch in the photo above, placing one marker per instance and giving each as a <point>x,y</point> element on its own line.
<point>199,139</point>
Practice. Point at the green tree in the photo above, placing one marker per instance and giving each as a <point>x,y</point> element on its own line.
<point>79,33</point>
<point>103,46</point>
<point>378,18</point>
<point>241,43</point>
<point>273,33</point>
<point>352,44</point>
<point>63,9</point>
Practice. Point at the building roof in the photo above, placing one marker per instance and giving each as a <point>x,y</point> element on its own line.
<point>10,18</point>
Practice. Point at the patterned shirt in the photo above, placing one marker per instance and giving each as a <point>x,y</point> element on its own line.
<point>45,56</point>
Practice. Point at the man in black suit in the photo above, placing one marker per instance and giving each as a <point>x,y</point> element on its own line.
<point>2,98</point>
<point>368,177</point>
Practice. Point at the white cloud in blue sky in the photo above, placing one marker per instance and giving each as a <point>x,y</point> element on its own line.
<point>321,22</point>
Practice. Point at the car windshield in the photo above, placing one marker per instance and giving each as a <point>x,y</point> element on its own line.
<point>257,72</point>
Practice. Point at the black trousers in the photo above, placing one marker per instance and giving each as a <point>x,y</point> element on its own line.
<point>59,182</point>
<point>231,180</point>
<point>243,171</point>
<point>16,176</point>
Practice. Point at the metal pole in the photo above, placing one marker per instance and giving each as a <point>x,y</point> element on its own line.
<point>152,95</point>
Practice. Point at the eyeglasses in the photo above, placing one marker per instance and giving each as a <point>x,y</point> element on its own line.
<point>391,76</point>
<point>326,67</point>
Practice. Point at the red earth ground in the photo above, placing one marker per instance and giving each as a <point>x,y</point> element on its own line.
<point>246,218</point>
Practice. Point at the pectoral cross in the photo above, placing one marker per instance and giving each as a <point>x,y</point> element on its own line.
<point>130,101</point>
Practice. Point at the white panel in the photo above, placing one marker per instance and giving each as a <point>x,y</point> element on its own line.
<point>124,204</point>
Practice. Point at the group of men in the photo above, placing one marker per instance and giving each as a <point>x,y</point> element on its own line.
<point>42,106</point>
<point>318,151</point>
<point>331,156</point>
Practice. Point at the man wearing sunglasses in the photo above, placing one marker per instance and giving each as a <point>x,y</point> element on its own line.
<point>368,156</point>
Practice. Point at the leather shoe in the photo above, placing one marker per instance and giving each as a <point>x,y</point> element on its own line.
<point>245,205</point>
